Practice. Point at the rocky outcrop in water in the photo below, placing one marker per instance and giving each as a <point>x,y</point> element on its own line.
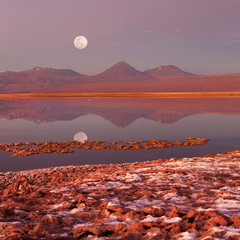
<point>32,148</point>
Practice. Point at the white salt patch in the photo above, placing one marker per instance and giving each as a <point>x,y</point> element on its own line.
<point>176,176</point>
<point>170,195</point>
<point>57,206</point>
<point>141,203</point>
<point>228,205</point>
<point>54,191</point>
<point>142,169</point>
<point>205,209</point>
<point>229,235</point>
<point>113,202</point>
<point>133,207</point>
<point>186,236</point>
<point>20,211</point>
<point>10,222</point>
<point>102,238</point>
<point>151,234</point>
<point>90,180</point>
<point>159,192</point>
<point>153,178</point>
<point>63,189</point>
<point>64,215</point>
<point>131,177</point>
<point>129,221</point>
<point>81,225</point>
<point>124,186</point>
<point>149,218</point>
<point>98,186</point>
<point>178,199</point>
<point>109,185</point>
<point>60,235</point>
<point>63,235</point>
<point>84,185</point>
<point>194,195</point>
<point>75,210</point>
<point>171,220</point>
<point>229,230</point>
<point>113,221</point>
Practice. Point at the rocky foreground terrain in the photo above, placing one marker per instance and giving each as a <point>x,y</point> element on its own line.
<point>189,198</point>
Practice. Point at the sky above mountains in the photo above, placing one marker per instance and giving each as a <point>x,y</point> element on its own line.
<point>200,36</point>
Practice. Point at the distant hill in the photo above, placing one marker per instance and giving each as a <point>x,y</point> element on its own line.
<point>38,73</point>
<point>121,77</point>
<point>167,70</point>
<point>37,78</point>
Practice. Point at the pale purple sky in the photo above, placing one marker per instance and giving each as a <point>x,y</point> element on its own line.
<point>200,36</point>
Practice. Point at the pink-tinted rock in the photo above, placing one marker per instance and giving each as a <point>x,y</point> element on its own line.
<point>236,221</point>
<point>20,187</point>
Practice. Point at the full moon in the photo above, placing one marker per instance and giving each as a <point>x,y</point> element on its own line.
<point>80,137</point>
<point>80,42</point>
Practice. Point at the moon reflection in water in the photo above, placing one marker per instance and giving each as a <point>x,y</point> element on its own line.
<point>80,137</point>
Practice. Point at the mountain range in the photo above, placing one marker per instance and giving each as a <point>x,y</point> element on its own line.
<point>121,77</point>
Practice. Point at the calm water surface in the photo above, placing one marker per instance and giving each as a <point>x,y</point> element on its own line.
<point>115,120</point>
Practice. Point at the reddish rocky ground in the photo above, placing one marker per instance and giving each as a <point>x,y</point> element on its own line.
<point>189,198</point>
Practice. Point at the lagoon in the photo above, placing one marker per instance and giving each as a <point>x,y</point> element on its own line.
<point>117,119</point>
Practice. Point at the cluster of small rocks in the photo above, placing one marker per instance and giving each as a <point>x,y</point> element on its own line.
<point>189,198</point>
<point>32,148</point>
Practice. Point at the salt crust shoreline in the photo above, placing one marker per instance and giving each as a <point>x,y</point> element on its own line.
<point>188,198</point>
